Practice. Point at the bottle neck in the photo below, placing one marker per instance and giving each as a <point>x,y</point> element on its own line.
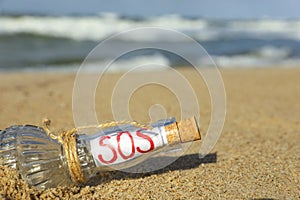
<point>86,160</point>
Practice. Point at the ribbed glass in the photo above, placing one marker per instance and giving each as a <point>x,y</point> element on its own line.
<point>38,158</point>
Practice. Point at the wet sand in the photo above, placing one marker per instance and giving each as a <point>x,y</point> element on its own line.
<point>257,155</point>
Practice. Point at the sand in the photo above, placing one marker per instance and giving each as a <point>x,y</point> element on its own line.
<point>257,155</point>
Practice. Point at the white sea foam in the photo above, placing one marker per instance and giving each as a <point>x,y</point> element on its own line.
<point>140,63</point>
<point>265,56</point>
<point>92,27</point>
<point>272,28</point>
<point>250,61</point>
<point>99,27</point>
<point>273,52</point>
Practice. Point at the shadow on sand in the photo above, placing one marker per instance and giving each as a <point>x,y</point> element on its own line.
<point>183,163</point>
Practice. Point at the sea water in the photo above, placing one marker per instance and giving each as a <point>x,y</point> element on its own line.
<point>61,43</point>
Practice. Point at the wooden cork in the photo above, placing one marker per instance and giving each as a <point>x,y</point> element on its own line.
<point>188,130</point>
<point>183,131</point>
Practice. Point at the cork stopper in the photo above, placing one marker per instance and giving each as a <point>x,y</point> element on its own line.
<point>183,131</point>
<point>188,130</point>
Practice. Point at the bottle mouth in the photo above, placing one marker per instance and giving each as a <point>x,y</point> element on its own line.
<point>189,130</point>
<point>186,130</point>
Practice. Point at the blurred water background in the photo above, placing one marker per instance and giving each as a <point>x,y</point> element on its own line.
<point>35,42</point>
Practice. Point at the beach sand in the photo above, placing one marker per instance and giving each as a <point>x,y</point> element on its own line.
<point>257,155</point>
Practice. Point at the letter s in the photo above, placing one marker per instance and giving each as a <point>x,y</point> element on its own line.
<point>146,137</point>
<point>100,157</point>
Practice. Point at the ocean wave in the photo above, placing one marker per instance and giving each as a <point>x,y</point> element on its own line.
<point>97,28</point>
<point>265,56</point>
<point>139,63</point>
<point>273,53</point>
<point>94,28</point>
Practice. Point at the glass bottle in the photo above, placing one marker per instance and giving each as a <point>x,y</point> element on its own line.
<point>45,161</point>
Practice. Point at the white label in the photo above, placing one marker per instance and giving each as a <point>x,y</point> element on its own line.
<point>122,146</point>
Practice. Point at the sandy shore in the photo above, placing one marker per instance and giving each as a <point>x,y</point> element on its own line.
<point>257,156</point>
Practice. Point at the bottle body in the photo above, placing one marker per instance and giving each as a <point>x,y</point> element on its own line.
<point>123,146</point>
